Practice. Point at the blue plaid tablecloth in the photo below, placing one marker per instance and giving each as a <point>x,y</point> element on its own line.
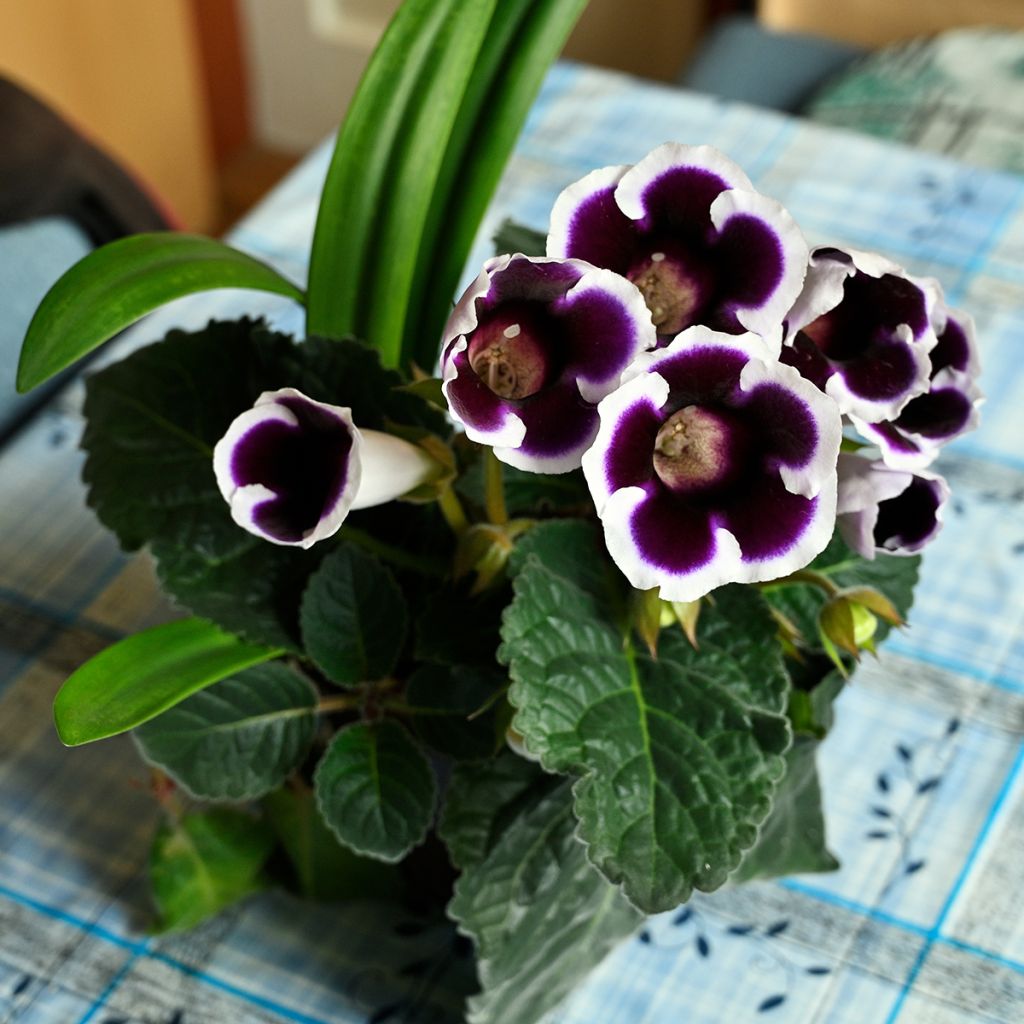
<point>923,774</point>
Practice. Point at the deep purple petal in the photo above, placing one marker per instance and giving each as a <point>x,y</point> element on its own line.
<point>673,536</point>
<point>940,414</point>
<point>558,422</point>
<point>600,233</point>
<point>907,522</point>
<point>887,372</point>
<point>766,519</point>
<point>702,374</point>
<point>538,281</point>
<point>601,336</point>
<point>953,350</point>
<point>678,202</point>
<point>472,401</point>
<point>891,438</point>
<point>751,261</point>
<point>629,459</point>
<point>785,427</point>
<point>806,358</point>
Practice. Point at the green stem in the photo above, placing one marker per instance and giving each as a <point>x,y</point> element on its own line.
<point>389,553</point>
<point>815,579</point>
<point>494,490</point>
<point>337,702</point>
<point>451,509</point>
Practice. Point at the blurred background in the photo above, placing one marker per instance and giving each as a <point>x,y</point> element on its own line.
<point>209,102</point>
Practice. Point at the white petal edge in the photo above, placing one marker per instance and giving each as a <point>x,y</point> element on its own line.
<point>650,386</point>
<point>765,319</point>
<point>571,199</point>
<point>630,190</point>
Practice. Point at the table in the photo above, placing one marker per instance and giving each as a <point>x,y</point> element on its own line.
<point>923,774</point>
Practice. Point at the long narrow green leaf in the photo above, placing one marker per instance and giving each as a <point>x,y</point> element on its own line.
<point>525,38</point>
<point>384,165</point>
<point>120,283</point>
<point>139,677</point>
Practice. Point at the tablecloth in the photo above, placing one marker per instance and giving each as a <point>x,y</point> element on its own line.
<point>922,774</point>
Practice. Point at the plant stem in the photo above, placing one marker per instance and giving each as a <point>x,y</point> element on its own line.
<point>337,702</point>
<point>451,509</point>
<point>494,490</point>
<point>390,553</point>
<point>815,579</point>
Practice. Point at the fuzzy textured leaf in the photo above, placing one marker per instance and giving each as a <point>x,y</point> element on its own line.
<point>353,618</point>
<point>118,284</point>
<point>323,868</point>
<point>376,790</point>
<point>539,914</point>
<point>204,863</point>
<point>152,422</point>
<point>677,758</point>
<point>143,675</point>
<point>792,840</point>
<point>238,739</point>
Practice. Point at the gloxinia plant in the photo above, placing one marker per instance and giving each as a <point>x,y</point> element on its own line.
<point>550,637</point>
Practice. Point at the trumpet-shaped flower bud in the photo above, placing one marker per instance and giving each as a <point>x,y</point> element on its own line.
<point>889,510</point>
<point>686,226</point>
<point>946,410</point>
<point>715,463</point>
<point>292,469</point>
<point>530,350</point>
<point>861,330</point>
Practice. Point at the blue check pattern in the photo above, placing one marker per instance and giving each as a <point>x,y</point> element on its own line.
<point>923,773</point>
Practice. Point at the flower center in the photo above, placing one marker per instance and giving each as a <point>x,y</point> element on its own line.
<point>697,448</point>
<point>512,364</point>
<point>672,291</point>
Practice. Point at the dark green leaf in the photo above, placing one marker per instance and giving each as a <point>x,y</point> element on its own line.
<point>530,493</point>
<point>143,675</point>
<point>384,169</point>
<point>205,862</point>
<point>483,800</point>
<point>376,790</point>
<point>524,37</point>
<point>459,628</point>
<point>893,576</point>
<point>677,757</point>
<point>447,695</point>
<point>238,739</point>
<point>513,237</point>
<point>540,915</point>
<point>353,618</point>
<point>153,420</point>
<point>792,840</point>
<point>324,869</point>
<point>120,283</point>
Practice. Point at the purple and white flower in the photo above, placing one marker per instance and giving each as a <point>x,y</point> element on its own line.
<point>292,468</point>
<point>531,348</point>
<point>715,463</point>
<point>950,406</point>
<point>885,509</point>
<point>686,226</point>
<point>861,330</point>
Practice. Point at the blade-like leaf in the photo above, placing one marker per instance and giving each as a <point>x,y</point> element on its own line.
<point>137,678</point>
<point>524,38</point>
<point>120,283</point>
<point>238,739</point>
<point>677,757</point>
<point>792,840</point>
<point>540,915</point>
<point>204,863</point>
<point>324,869</point>
<point>353,618</point>
<point>513,237</point>
<point>383,170</point>
<point>376,790</point>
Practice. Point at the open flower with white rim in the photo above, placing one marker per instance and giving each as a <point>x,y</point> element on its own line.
<point>292,468</point>
<point>687,227</point>
<point>715,463</point>
<point>885,509</point>
<point>531,348</point>
<point>950,407</point>
<point>862,331</point>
